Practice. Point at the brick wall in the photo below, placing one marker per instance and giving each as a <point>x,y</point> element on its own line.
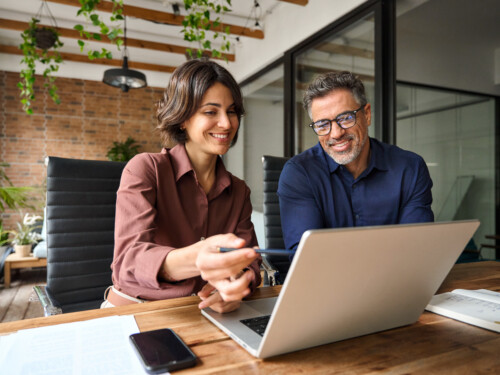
<point>89,119</point>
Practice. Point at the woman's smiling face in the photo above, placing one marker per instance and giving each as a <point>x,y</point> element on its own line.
<point>213,126</point>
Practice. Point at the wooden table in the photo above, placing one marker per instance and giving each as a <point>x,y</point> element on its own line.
<point>14,261</point>
<point>434,344</point>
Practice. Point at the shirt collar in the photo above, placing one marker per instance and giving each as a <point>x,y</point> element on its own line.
<point>180,160</point>
<point>182,165</point>
<point>377,159</point>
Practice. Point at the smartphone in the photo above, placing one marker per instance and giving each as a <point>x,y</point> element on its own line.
<point>162,350</point>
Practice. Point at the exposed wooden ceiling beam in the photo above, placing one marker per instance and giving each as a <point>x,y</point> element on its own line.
<point>163,17</point>
<point>84,59</point>
<point>297,2</point>
<point>70,33</point>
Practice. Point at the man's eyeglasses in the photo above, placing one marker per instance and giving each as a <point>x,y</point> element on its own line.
<point>345,120</point>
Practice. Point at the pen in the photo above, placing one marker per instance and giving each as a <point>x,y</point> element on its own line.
<point>261,251</point>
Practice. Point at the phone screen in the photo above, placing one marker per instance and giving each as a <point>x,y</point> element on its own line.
<point>162,350</point>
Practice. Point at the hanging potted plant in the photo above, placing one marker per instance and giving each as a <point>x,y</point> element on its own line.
<point>45,37</point>
<point>37,41</point>
<point>41,44</point>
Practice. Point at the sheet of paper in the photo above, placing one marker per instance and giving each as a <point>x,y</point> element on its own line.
<point>98,346</point>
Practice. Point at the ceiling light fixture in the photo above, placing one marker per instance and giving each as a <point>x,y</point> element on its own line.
<point>124,78</point>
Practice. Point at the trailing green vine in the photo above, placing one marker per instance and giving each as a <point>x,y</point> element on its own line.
<point>32,54</point>
<point>50,56</point>
<point>197,23</point>
<point>89,11</point>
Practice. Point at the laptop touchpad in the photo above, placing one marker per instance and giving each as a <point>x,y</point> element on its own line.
<point>262,306</point>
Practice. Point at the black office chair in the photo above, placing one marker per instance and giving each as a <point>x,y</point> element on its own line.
<point>275,266</point>
<point>81,200</point>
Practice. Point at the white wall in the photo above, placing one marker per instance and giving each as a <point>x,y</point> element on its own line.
<point>264,136</point>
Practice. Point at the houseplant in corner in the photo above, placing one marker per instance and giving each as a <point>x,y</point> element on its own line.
<point>12,196</point>
<point>26,235</point>
<point>123,151</point>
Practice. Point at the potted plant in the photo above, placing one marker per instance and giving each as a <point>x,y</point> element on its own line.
<point>26,235</point>
<point>123,151</point>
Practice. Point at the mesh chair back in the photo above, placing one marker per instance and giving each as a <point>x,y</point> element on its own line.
<point>81,200</point>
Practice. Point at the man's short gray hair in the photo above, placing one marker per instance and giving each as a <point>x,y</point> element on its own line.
<point>328,82</point>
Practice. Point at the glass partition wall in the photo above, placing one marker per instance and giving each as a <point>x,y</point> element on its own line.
<point>447,101</point>
<point>455,134</point>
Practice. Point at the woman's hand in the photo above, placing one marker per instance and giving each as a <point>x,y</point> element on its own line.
<point>223,270</point>
<point>203,258</point>
<point>211,298</point>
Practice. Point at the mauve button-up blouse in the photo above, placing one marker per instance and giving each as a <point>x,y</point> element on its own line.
<point>160,207</point>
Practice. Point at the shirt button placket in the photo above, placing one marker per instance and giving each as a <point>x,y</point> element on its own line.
<point>355,208</point>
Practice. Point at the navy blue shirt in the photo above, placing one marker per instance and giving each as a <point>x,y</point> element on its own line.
<point>315,192</point>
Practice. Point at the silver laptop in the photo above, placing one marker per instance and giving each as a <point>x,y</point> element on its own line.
<point>350,282</point>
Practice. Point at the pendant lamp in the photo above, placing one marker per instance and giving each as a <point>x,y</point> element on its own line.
<point>124,78</point>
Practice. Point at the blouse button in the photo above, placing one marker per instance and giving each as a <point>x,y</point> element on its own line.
<point>202,238</point>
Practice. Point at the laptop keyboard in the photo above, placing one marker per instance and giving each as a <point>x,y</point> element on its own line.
<point>258,324</point>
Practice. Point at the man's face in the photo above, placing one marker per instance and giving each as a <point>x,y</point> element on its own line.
<point>343,145</point>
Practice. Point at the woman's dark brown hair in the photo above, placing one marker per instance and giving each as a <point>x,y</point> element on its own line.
<point>184,93</point>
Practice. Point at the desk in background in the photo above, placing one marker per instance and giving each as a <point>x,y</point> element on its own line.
<point>434,344</point>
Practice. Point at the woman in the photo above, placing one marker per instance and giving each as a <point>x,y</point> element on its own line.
<point>175,208</point>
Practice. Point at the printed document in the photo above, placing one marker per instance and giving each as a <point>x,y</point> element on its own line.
<point>97,346</point>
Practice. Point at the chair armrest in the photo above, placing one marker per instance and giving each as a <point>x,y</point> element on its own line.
<point>49,308</point>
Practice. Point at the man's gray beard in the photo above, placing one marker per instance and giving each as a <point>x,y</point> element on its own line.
<point>348,156</point>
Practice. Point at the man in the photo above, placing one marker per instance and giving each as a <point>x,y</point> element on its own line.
<point>349,179</point>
